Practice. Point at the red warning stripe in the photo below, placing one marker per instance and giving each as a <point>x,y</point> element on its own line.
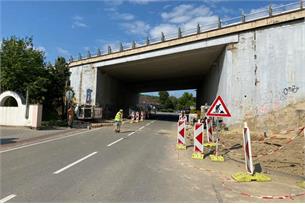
<point>182,132</point>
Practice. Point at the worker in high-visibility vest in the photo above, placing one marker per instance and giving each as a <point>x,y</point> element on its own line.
<point>118,121</point>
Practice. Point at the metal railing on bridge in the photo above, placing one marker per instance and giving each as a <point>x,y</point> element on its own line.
<point>198,29</point>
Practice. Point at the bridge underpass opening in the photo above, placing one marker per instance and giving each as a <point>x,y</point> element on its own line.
<point>119,84</point>
<point>169,106</point>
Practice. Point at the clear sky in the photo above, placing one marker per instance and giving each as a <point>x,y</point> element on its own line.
<point>65,28</point>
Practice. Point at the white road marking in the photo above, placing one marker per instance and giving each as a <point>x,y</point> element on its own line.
<point>45,141</point>
<point>141,128</point>
<point>115,142</point>
<point>131,133</point>
<point>7,198</point>
<point>76,162</point>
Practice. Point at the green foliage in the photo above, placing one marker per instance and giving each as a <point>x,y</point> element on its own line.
<point>22,68</point>
<point>172,103</point>
<point>185,101</point>
<point>163,97</point>
<point>58,76</point>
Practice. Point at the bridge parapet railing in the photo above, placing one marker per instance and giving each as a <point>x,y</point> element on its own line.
<point>268,11</point>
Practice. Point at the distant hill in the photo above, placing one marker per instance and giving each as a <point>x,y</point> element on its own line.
<point>146,99</point>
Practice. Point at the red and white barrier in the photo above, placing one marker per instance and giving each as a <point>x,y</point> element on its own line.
<point>132,117</point>
<point>137,117</point>
<point>198,137</point>
<point>142,116</point>
<point>181,133</point>
<point>182,118</point>
<point>247,149</point>
<point>209,125</point>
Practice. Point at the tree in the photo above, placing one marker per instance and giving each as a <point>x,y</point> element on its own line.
<point>163,97</point>
<point>58,76</point>
<point>23,68</point>
<point>186,100</point>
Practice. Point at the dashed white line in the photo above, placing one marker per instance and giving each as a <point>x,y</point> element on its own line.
<point>131,133</point>
<point>115,142</point>
<point>141,128</point>
<point>45,141</point>
<point>7,198</point>
<point>76,162</point>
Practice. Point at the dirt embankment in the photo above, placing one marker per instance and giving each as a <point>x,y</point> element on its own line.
<point>277,140</point>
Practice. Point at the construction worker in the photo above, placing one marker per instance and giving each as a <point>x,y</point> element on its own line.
<point>118,120</point>
<point>70,114</point>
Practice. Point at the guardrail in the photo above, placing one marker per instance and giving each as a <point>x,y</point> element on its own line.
<point>200,28</point>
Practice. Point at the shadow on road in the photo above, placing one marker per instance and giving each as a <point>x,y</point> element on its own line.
<point>4,141</point>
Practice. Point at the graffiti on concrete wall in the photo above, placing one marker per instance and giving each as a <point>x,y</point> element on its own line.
<point>288,91</point>
<point>88,96</point>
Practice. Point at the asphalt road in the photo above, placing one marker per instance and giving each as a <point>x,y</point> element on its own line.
<point>139,164</point>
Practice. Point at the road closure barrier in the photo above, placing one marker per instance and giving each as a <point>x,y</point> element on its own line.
<point>181,143</point>
<point>209,130</point>
<point>137,117</point>
<point>132,117</point>
<point>198,141</point>
<point>250,175</point>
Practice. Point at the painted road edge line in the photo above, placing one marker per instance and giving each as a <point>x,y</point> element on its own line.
<point>45,141</point>
<point>76,162</point>
<point>115,142</point>
<point>7,198</point>
<point>141,128</point>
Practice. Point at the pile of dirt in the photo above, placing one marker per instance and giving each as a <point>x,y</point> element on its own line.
<point>280,148</point>
<point>283,154</point>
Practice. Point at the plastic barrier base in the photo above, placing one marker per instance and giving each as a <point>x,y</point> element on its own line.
<point>180,147</point>
<point>301,184</point>
<point>197,155</point>
<point>210,144</point>
<point>217,158</point>
<point>246,177</point>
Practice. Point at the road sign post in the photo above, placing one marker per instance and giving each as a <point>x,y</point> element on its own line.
<point>218,109</point>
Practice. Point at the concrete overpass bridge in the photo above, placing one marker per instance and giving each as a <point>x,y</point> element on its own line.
<point>249,61</point>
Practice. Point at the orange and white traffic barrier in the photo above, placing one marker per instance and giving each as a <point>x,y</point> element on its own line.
<point>181,143</point>
<point>132,117</point>
<point>137,117</point>
<point>198,141</point>
<point>209,125</point>
<point>247,149</point>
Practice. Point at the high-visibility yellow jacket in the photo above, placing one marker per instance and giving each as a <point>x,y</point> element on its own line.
<point>118,116</point>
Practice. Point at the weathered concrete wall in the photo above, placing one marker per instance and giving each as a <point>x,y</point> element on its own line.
<point>263,72</point>
<point>83,81</point>
<point>105,90</point>
<point>113,94</point>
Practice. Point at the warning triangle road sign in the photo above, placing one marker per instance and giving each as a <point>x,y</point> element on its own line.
<point>218,109</point>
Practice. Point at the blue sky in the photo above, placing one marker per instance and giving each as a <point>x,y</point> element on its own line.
<point>65,28</point>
